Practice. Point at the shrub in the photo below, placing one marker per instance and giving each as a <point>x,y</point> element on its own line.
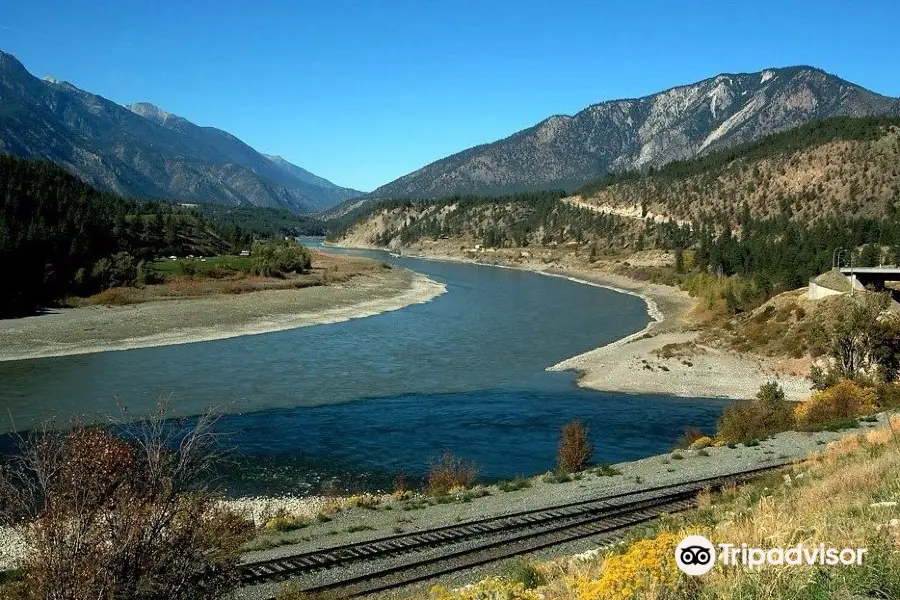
<point>888,395</point>
<point>701,443</point>
<point>113,517</point>
<point>276,259</point>
<point>575,450</point>
<point>605,470</point>
<point>688,437</point>
<point>844,400</point>
<point>768,414</point>
<point>560,477</point>
<point>145,274</point>
<point>364,501</point>
<point>116,297</point>
<point>524,573</point>
<point>519,483</point>
<point>645,570</point>
<point>495,588</point>
<point>449,472</point>
<point>117,270</point>
<point>282,521</point>
<point>401,484</point>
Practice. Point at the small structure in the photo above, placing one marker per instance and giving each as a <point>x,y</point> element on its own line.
<point>244,253</point>
<point>876,277</point>
<point>845,280</point>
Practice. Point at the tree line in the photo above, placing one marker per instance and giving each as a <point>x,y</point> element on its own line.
<point>59,237</point>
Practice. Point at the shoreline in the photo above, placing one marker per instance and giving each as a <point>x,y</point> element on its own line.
<point>663,358</point>
<point>352,518</point>
<point>253,313</point>
<point>356,522</point>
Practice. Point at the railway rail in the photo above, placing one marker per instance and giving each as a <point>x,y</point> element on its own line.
<point>486,540</point>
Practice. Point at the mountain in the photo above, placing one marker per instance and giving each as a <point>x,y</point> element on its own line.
<point>301,174</point>
<point>142,150</point>
<point>840,172</point>
<point>679,123</point>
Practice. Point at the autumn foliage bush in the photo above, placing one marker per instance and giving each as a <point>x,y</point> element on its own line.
<point>450,472</point>
<point>575,450</point>
<point>766,415</point>
<point>844,400</point>
<point>108,517</point>
<point>646,570</point>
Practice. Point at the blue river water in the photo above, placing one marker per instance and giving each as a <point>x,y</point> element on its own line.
<point>354,403</point>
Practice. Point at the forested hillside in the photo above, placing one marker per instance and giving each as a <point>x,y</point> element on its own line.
<point>60,237</point>
<point>771,211</point>
<point>840,167</point>
<point>261,221</point>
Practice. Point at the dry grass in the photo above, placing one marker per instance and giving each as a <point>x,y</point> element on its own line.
<point>450,472</point>
<point>835,497</point>
<point>787,325</point>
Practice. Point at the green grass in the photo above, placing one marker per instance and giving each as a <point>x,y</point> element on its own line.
<point>556,478</point>
<point>524,572</point>
<point>170,267</point>
<point>840,425</point>
<point>604,470</point>
<point>512,485</point>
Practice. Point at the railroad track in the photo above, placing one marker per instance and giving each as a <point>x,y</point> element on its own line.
<point>487,540</point>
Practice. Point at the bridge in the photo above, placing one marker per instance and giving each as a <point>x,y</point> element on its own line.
<point>876,278</point>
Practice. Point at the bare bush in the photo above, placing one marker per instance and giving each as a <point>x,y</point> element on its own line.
<point>121,516</point>
<point>575,450</point>
<point>450,472</point>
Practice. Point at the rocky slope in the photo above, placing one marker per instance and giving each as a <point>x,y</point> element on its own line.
<point>680,123</point>
<point>145,151</point>
<point>837,168</point>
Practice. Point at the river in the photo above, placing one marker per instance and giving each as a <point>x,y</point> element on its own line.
<point>357,402</point>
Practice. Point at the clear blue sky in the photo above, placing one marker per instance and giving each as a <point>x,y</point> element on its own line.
<point>362,92</point>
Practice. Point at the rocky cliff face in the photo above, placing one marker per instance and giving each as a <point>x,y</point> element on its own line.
<point>145,151</point>
<point>680,123</point>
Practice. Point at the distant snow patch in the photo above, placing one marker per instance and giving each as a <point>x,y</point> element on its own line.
<point>766,76</point>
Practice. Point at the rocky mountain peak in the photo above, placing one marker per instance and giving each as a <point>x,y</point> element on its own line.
<point>674,124</point>
<point>150,111</point>
<point>142,150</point>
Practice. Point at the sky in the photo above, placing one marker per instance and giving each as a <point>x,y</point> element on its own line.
<point>363,92</point>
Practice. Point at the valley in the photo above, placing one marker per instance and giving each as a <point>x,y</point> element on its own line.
<point>603,296</point>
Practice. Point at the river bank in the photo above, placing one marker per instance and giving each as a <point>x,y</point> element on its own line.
<point>332,521</point>
<point>372,517</point>
<point>667,357</point>
<point>180,321</point>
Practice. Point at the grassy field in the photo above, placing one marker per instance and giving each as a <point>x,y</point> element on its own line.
<point>198,278</point>
<point>166,267</point>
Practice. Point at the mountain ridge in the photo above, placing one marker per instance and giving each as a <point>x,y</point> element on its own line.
<point>651,130</point>
<point>143,150</point>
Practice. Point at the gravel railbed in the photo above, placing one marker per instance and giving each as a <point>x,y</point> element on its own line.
<point>637,475</point>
